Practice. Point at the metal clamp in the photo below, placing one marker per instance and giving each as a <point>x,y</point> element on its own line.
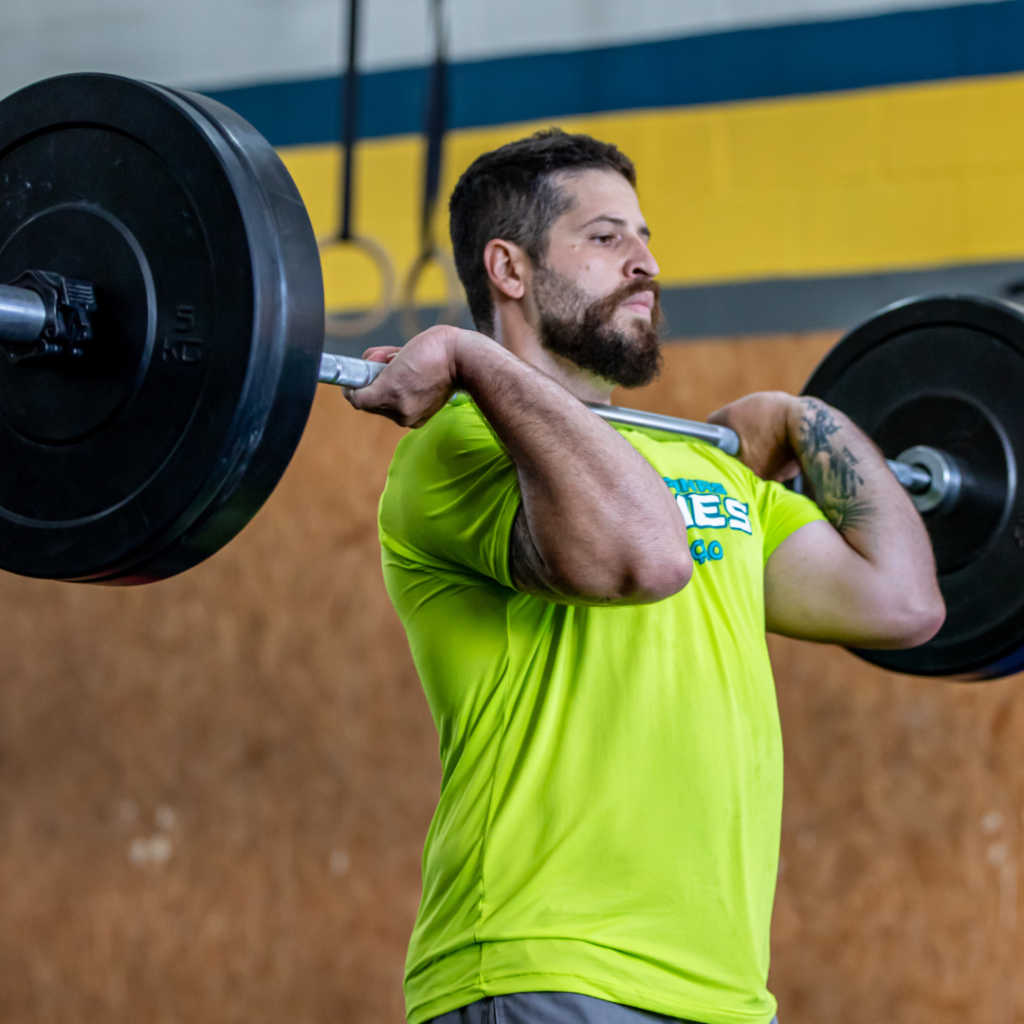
<point>45,314</point>
<point>938,483</point>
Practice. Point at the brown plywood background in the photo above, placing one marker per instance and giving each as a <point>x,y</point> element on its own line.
<point>214,790</point>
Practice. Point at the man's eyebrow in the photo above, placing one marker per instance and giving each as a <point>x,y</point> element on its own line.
<point>644,230</point>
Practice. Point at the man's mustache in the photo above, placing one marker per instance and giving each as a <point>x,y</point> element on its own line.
<point>605,309</point>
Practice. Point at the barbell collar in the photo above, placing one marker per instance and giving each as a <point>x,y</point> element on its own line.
<point>43,314</point>
<point>22,314</point>
<point>937,482</point>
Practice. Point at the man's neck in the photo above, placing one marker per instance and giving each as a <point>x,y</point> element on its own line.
<point>522,339</point>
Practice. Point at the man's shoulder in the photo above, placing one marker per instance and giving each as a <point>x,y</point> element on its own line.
<point>685,458</point>
<point>451,495</point>
<point>442,460</point>
<point>458,427</point>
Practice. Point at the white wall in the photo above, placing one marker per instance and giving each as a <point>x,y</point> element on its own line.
<point>207,43</point>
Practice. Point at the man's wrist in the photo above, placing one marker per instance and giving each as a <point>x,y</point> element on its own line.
<point>473,356</point>
<point>794,414</point>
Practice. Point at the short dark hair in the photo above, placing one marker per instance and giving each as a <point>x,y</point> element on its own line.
<point>509,193</point>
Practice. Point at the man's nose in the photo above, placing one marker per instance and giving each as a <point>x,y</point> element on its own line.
<point>641,261</point>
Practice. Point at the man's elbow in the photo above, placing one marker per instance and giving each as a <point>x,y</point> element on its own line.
<point>915,621</point>
<point>640,581</point>
<point>662,580</point>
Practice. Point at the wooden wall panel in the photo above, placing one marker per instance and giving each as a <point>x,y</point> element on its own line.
<point>214,790</point>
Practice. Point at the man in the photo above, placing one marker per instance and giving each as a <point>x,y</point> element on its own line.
<point>586,607</point>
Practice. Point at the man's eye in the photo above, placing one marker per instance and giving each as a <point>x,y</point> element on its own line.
<point>604,239</point>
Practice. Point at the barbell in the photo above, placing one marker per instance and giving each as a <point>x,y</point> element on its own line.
<point>163,329</point>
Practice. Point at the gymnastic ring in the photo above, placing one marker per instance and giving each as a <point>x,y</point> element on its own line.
<point>409,318</point>
<point>375,316</point>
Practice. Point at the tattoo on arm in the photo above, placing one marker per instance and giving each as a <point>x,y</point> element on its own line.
<point>830,470</point>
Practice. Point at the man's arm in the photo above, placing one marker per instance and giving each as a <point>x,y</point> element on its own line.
<point>597,524</point>
<point>867,577</point>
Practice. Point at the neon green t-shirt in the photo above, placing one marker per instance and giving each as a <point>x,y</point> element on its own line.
<point>611,791</point>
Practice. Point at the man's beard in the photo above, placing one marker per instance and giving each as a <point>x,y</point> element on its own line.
<point>583,330</point>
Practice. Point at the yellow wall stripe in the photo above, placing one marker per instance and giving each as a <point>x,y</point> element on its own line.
<point>881,179</point>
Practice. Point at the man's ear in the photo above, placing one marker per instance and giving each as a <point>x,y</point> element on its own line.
<point>508,267</point>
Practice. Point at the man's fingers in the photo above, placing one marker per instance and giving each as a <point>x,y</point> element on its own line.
<point>381,353</point>
<point>367,398</point>
<point>371,395</point>
<point>417,385</point>
<point>382,399</point>
<point>788,471</point>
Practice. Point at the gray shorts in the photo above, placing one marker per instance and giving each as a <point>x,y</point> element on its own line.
<point>552,1008</point>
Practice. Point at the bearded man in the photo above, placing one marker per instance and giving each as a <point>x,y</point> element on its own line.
<point>586,606</point>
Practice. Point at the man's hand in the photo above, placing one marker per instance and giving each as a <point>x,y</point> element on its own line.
<point>419,379</point>
<point>763,421</point>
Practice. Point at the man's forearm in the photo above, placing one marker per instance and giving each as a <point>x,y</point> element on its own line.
<point>848,478</point>
<point>867,578</point>
<point>602,520</point>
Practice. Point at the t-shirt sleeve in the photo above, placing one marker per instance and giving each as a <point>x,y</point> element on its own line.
<point>782,512</point>
<point>451,496</point>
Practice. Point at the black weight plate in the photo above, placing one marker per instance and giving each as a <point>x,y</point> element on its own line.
<point>156,447</point>
<point>948,372</point>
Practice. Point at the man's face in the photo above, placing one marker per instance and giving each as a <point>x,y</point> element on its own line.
<point>595,294</point>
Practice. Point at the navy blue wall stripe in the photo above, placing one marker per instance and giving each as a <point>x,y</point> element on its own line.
<point>746,64</point>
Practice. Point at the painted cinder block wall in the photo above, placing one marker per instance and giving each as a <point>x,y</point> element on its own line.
<point>775,138</point>
<point>898,178</point>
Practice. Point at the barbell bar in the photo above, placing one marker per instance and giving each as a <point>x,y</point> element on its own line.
<point>22,314</point>
<point>921,470</point>
<point>24,319</point>
<point>165,328</point>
